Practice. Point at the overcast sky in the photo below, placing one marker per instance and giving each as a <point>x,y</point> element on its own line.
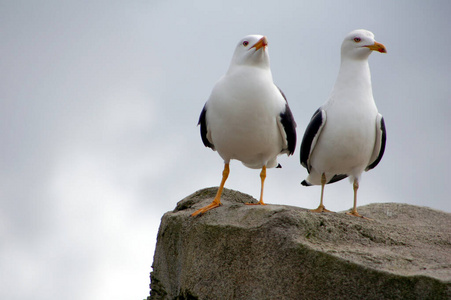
<point>99,106</point>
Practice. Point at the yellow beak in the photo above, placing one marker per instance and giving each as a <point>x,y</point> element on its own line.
<point>263,42</point>
<point>377,47</point>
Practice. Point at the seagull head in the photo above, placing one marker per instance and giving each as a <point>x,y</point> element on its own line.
<point>359,44</point>
<point>252,51</point>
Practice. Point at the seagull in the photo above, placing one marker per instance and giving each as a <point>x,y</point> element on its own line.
<point>247,116</point>
<point>346,135</point>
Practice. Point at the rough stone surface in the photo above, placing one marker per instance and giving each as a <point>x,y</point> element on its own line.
<point>282,252</point>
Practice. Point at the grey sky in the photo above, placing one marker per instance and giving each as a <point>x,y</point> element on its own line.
<point>99,105</point>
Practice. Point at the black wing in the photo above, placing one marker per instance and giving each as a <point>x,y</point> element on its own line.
<point>379,146</point>
<point>203,128</point>
<point>289,126</point>
<point>312,132</point>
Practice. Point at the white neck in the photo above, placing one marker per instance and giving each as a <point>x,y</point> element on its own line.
<point>354,78</point>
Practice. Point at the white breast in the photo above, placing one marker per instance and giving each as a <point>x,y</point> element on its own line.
<point>242,115</point>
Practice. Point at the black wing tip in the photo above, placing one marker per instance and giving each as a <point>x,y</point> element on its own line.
<point>337,177</point>
<point>306,183</point>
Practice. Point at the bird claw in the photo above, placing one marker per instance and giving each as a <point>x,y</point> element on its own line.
<point>204,209</point>
<point>320,209</point>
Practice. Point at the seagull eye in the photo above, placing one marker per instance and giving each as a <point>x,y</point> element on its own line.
<point>357,39</point>
<point>245,43</point>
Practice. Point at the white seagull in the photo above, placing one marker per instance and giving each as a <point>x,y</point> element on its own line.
<point>346,135</point>
<point>247,116</point>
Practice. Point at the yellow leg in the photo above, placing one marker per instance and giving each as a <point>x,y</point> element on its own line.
<point>354,212</point>
<point>321,207</point>
<point>217,201</point>
<point>262,177</point>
